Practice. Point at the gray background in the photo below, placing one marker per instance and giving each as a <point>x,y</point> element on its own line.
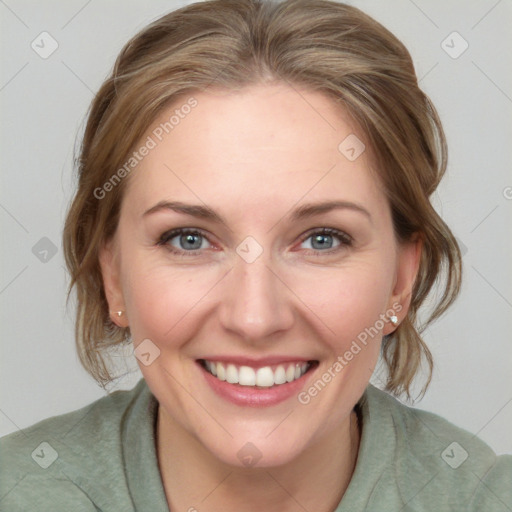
<point>43,104</point>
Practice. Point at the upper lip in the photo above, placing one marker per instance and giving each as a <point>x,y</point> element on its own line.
<point>259,362</point>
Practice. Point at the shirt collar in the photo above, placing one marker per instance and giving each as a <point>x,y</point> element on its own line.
<point>139,450</point>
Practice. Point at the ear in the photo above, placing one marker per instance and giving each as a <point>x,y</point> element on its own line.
<point>111,272</point>
<point>408,263</point>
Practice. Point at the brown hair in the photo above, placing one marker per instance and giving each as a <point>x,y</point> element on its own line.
<point>318,44</point>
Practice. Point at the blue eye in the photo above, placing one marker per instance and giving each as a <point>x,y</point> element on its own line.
<point>183,240</point>
<point>327,240</point>
<point>190,242</point>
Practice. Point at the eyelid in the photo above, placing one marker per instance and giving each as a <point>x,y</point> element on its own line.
<point>345,239</point>
<point>172,233</point>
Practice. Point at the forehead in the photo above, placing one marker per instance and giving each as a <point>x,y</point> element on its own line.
<point>262,144</point>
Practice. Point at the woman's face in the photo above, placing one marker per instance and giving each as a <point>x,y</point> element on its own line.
<point>270,279</point>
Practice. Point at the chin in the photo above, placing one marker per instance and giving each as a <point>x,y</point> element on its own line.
<point>258,453</point>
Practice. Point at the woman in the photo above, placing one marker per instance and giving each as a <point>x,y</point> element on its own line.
<point>253,215</point>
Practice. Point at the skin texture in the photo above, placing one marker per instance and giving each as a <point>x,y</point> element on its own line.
<point>254,156</point>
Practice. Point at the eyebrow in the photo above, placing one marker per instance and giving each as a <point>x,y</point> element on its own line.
<point>302,212</point>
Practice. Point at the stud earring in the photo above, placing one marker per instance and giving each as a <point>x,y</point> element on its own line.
<point>119,313</point>
<point>394,319</point>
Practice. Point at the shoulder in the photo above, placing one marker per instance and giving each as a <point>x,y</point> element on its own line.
<point>45,463</point>
<point>454,466</point>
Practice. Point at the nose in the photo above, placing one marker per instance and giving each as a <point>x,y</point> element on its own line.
<point>256,303</point>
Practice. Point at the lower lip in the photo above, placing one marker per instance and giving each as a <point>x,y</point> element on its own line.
<point>253,396</point>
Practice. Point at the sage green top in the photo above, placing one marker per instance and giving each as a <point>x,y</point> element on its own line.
<point>103,458</point>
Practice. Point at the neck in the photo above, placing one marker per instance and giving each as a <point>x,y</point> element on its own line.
<point>194,479</point>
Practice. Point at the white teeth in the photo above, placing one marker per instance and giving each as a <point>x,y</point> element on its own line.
<point>265,377</point>
<point>221,371</point>
<point>280,375</point>
<point>262,377</point>
<point>232,374</point>
<point>246,376</point>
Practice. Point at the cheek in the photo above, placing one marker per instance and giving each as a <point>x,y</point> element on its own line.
<point>161,301</point>
<point>167,302</point>
<point>349,302</point>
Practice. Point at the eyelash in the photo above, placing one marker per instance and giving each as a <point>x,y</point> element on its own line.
<point>344,239</point>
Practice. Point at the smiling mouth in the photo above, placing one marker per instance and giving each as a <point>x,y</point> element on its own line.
<point>263,377</point>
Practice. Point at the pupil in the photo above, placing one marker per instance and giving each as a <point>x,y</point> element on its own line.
<point>323,241</point>
<point>190,239</point>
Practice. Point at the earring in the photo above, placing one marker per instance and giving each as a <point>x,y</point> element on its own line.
<point>119,313</point>
<point>394,319</point>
